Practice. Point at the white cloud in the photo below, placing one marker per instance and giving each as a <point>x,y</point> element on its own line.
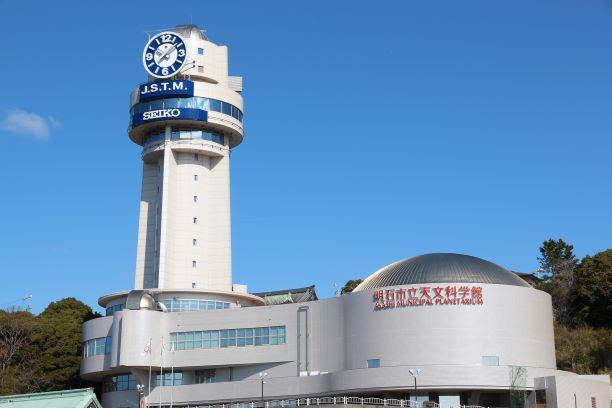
<point>24,123</point>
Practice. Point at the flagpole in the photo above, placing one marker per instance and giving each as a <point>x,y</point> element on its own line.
<point>172,371</point>
<point>149,351</point>
<point>161,371</point>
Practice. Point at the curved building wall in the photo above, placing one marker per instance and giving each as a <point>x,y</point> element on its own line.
<point>514,323</point>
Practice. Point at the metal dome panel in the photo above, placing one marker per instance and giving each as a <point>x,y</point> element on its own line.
<point>440,268</point>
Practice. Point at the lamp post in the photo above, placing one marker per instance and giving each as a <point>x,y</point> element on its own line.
<point>262,377</point>
<point>415,373</point>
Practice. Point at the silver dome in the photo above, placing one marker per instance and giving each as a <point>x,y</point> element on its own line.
<point>189,31</point>
<point>440,268</point>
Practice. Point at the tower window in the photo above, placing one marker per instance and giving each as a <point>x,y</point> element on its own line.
<point>196,156</point>
<point>195,177</point>
<point>200,51</point>
<point>195,220</point>
<point>194,264</point>
<point>195,242</point>
<point>195,199</point>
<point>193,285</point>
<point>373,363</point>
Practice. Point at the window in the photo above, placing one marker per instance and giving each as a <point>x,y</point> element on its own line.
<point>374,363</point>
<point>193,285</point>
<point>195,177</point>
<point>205,376</point>
<point>243,337</point>
<point>228,338</point>
<point>262,336</point>
<point>195,242</point>
<point>191,305</point>
<point>168,379</point>
<point>115,308</point>
<point>593,402</point>
<point>200,51</point>
<point>200,68</point>
<point>196,156</point>
<point>122,382</point>
<point>490,360</point>
<point>194,264</point>
<point>277,335</point>
<point>195,220</point>
<point>97,347</point>
<point>195,199</point>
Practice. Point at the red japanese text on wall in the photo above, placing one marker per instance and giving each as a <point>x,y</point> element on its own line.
<point>427,296</point>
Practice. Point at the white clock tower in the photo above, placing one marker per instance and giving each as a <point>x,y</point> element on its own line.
<point>187,118</point>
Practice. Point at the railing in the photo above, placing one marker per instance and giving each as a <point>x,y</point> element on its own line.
<point>298,402</point>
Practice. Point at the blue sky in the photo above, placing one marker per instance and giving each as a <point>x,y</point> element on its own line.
<point>375,131</point>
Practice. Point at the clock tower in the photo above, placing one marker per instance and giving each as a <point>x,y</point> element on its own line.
<point>187,117</point>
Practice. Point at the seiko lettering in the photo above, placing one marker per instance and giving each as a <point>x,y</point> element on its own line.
<point>161,113</point>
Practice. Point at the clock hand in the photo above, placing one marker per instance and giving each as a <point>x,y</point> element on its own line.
<point>165,55</point>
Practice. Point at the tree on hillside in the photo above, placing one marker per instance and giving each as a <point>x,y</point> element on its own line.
<point>16,354</point>
<point>58,338</point>
<point>591,299</point>
<point>350,285</point>
<point>557,263</point>
<point>583,350</point>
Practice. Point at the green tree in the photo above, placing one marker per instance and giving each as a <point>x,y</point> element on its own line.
<point>58,338</point>
<point>591,299</point>
<point>557,263</point>
<point>350,285</point>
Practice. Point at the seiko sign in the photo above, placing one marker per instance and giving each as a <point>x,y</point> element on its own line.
<point>161,89</point>
<point>169,114</point>
<point>161,113</point>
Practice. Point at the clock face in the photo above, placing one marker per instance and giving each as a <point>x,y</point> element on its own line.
<point>164,55</point>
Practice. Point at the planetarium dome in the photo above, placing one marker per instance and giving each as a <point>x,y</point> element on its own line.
<point>440,268</point>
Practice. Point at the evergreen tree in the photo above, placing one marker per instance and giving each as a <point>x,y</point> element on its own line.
<point>557,263</point>
<point>350,285</point>
<point>591,299</point>
<point>58,338</point>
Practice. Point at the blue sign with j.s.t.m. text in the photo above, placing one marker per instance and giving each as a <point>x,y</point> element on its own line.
<point>169,114</point>
<point>161,89</point>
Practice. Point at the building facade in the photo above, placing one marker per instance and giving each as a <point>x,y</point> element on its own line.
<point>447,328</point>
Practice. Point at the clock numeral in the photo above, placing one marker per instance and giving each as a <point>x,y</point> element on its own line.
<point>166,38</point>
<point>181,53</point>
<point>149,56</point>
<point>165,71</point>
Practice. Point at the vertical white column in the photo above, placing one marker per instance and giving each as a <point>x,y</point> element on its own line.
<point>165,195</point>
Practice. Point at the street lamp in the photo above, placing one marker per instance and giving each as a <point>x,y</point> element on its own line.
<point>415,373</point>
<point>262,377</point>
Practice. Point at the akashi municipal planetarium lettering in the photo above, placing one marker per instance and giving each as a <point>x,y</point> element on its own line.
<point>427,296</point>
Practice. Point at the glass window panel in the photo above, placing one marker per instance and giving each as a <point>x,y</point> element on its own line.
<point>100,346</point>
<point>193,305</point>
<point>215,105</point>
<point>241,342</point>
<point>202,305</point>
<point>374,363</point>
<point>219,305</point>
<point>226,108</point>
<point>107,345</point>
<point>91,348</point>
<point>197,340</point>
